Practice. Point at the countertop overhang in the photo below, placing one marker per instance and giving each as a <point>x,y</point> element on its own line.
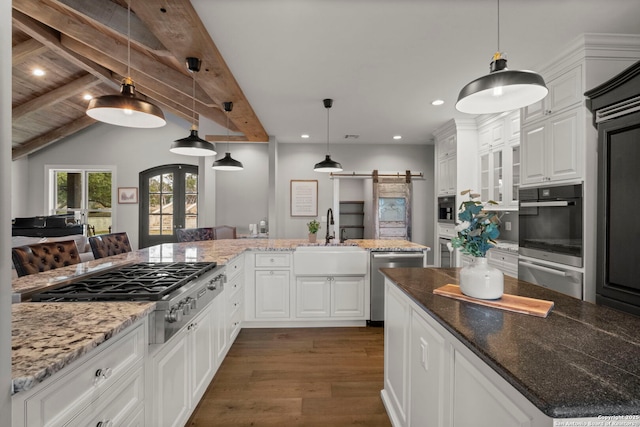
<point>583,360</point>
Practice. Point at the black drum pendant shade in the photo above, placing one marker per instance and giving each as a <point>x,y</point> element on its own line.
<point>227,163</point>
<point>327,165</point>
<point>193,145</point>
<point>502,89</point>
<point>126,109</point>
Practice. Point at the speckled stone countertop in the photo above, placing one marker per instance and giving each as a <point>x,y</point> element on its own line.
<point>582,360</point>
<point>507,245</point>
<point>47,337</point>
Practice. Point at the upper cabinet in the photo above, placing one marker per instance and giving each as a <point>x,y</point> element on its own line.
<point>565,91</point>
<point>456,156</point>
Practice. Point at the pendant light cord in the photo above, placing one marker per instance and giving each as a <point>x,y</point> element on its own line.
<point>498,25</point>
<point>227,131</point>
<point>193,109</point>
<point>328,132</point>
<point>129,38</point>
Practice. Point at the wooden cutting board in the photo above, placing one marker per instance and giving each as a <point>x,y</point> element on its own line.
<point>518,304</point>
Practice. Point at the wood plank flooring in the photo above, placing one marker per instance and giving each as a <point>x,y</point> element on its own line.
<point>298,377</point>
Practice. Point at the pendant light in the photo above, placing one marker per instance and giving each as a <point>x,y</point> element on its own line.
<point>227,163</point>
<point>193,145</point>
<point>126,109</point>
<point>502,89</point>
<point>327,165</point>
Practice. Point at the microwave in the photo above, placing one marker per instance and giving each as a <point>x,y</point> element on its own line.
<point>446,209</point>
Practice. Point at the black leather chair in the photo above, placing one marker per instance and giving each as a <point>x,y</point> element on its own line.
<point>224,232</point>
<point>105,245</point>
<point>32,259</point>
<point>194,234</point>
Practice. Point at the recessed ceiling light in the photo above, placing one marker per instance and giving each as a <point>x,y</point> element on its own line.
<point>38,72</point>
<point>87,97</point>
<point>304,135</point>
<point>437,102</point>
<point>397,137</point>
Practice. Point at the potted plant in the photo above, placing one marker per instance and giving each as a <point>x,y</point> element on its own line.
<point>313,227</point>
<point>476,234</point>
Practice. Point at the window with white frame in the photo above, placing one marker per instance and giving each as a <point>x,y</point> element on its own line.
<point>85,193</point>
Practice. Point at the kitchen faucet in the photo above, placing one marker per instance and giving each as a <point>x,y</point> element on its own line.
<point>328,236</point>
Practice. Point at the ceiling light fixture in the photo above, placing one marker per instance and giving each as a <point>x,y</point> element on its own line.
<point>304,135</point>
<point>397,136</point>
<point>502,89</point>
<point>38,72</point>
<point>437,102</point>
<point>193,145</point>
<point>126,109</point>
<point>227,163</point>
<point>327,165</point>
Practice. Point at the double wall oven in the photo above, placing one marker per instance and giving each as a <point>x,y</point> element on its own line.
<point>550,237</point>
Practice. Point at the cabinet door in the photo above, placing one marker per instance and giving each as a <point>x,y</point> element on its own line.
<point>428,394</point>
<point>347,296</point>
<point>219,331</point>
<point>533,153</point>
<point>396,327</point>
<point>452,170</point>
<point>514,153</point>
<point>201,341</point>
<point>497,179</point>
<point>272,293</point>
<point>564,147</point>
<point>474,394</point>
<point>171,394</point>
<point>313,297</point>
<point>484,177</point>
<point>443,176</point>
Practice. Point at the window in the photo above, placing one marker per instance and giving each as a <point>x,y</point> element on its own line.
<point>87,194</point>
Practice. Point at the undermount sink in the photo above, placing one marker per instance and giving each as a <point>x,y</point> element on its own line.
<point>329,260</point>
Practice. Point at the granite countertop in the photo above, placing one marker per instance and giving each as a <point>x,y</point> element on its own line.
<point>582,360</point>
<point>507,245</point>
<point>46,337</point>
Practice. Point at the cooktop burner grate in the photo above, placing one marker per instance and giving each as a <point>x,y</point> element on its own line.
<point>137,282</point>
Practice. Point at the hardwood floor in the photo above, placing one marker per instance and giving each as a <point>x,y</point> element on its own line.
<point>295,377</point>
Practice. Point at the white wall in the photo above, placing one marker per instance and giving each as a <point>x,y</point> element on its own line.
<point>296,162</point>
<point>5,212</point>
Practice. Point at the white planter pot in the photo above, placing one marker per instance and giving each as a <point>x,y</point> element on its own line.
<point>480,280</point>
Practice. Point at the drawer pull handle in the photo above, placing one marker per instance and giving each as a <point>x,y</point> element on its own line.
<point>107,423</point>
<point>103,373</point>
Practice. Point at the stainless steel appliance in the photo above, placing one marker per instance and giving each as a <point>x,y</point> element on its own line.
<point>388,260</point>
<point>181,290</point>
<point>550,237</point>
<point>447,253</point>
<point>446,209</point>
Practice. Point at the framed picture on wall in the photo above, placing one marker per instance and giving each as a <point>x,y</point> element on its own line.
<point>304,197</point>
<point>127,195</point>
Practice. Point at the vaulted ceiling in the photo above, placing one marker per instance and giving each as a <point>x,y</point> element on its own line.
<point>382,61</point>
<point>84,48</point>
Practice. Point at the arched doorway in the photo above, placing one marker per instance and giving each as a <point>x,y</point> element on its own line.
<point>168,200</point>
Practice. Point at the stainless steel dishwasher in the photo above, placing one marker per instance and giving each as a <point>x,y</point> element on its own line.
<point>388,260</point>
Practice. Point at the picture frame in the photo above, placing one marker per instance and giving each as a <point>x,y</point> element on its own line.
<point>127,195</point>
<point>304,198</point>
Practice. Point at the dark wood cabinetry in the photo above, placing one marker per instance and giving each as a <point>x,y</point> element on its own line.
<point>616,113</point>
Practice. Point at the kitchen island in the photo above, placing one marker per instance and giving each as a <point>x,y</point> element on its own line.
<point>581,362</point>
<point>49,336</point>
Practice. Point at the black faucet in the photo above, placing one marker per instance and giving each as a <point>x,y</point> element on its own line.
<point>328,236</point>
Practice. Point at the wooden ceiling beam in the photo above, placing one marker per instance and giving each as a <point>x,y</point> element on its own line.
<point>23,51</point>
<point>113,17</point>
<point>177,25</point>
<point>231,138</point>
<point>55,95</point>
<point>51,39</point>
<point>49,138</point>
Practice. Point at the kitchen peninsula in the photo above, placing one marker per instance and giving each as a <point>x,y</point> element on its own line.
<point>449,362</point>
<point>51,339</point>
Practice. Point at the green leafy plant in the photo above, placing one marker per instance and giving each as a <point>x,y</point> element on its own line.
<point>313,226</point>
<point>478,228</point>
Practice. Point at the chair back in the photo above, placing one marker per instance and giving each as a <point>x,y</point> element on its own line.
<point>194,234</point>
<point>224,232</point>
<point>105,245</point>
<point>32,259</point>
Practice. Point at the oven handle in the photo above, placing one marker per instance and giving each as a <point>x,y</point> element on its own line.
<point>541,268</point>
<point>546,204</point>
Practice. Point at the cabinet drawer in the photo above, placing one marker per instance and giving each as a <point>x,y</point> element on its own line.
<point>448,230</point>
<point>117,405</point>
<point>233,286</point>
<point>63,397</point>
<point>235,323</point>
<point>272,260</point>
<point>234,267</point>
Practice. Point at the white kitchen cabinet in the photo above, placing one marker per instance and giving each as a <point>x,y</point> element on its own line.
<point>565,91</point>
<point>181,370</point>
<point>432,379</point>
<point>503,260</point>
<point>272,294</point>
<point>552,148</point>
<point>234,297</point>
<point>90,388</point>
<point>326,297</point>
<point>447,168</point>
<point>428,365</point>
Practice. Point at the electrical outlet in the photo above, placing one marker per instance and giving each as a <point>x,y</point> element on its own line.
<point>507,225</point>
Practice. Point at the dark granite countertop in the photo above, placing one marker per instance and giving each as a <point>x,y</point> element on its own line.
<point>582,360</point>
